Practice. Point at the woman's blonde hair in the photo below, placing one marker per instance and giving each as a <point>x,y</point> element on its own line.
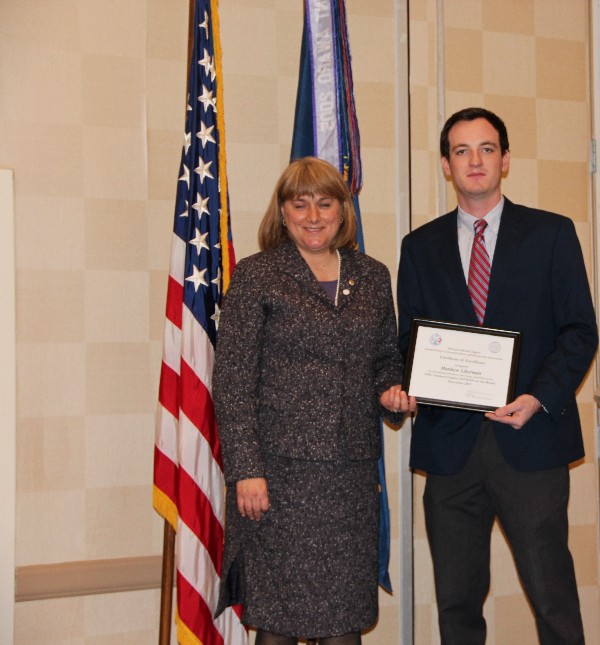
<point>307,176</point>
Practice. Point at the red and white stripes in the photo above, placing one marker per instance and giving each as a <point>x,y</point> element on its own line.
<point>479,271</point>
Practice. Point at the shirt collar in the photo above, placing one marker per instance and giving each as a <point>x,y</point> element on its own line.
<point>492,218</point>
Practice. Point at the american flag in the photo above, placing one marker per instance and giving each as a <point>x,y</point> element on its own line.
<point>188,472</point>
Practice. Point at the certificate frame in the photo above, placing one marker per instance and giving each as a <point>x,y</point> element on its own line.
<point>476,372</point>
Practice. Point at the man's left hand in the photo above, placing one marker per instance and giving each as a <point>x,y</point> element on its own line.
<point>517,413</point>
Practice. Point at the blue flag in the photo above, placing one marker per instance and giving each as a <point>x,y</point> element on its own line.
<point>325,126</point>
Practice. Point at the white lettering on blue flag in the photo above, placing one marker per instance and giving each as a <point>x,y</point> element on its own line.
<point>327,143</point>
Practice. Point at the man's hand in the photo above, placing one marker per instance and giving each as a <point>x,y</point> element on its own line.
<point>517,413</point>
<point>252,497</point>
<point>397,400</point>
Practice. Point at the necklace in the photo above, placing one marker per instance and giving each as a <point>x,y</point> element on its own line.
<point>339,276</point>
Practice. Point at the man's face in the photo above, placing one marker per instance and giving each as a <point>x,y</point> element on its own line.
<point>475,163</point>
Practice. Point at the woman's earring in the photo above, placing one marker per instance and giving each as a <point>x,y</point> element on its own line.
<point>283,223</point>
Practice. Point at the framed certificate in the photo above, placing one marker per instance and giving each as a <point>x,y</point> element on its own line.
<point>461,366</point>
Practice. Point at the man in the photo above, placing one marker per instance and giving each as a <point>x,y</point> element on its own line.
<point>511,463</point>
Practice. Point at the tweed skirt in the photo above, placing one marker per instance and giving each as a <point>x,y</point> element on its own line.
<point>309,567</point>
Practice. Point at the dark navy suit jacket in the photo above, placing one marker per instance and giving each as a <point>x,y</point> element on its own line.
<point>538,286</point>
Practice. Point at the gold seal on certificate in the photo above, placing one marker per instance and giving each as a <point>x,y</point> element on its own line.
<point>461,366</point>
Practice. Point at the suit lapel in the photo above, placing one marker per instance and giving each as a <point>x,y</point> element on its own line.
<point>509,236</point>
<point>350,277</point>
<point>292,263</point>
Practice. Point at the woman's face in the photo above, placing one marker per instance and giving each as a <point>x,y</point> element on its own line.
<point>312,222</point>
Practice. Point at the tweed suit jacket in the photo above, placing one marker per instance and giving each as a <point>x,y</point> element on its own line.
<point>538,286</point>
<point>295,375</point>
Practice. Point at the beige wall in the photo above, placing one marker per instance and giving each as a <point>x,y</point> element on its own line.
<point>92,100</point>
<point>90,113</point>
<point>91,122</point>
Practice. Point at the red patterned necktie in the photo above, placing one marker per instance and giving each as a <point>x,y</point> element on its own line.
<point>479,271</point>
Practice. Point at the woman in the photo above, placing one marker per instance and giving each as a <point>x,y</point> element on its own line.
<point>307,361</point>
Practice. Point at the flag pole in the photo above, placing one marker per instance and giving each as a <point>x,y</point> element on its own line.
<point>168,556</point>
<point>166,589</point>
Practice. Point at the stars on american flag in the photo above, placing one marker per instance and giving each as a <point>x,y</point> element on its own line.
<point>205,134</point>
<point>186,175</point>
<point>200,243</point>
<point>204,25</point>
<point>207,62</point>
<point>185,211</point>
<point>207,98</point>
<point>199,195</point>
<point>203,170</point>
<point>201,205</point>
<point>215,317</point>
<point>197,278</point>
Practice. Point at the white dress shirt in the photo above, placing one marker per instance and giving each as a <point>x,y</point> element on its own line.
<point>466,234</point>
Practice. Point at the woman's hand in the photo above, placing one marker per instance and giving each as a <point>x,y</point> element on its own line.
<point>397,400</point>
<point>252,497</point>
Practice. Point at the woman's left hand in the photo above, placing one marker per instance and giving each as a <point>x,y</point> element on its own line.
<point>397,400</point>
